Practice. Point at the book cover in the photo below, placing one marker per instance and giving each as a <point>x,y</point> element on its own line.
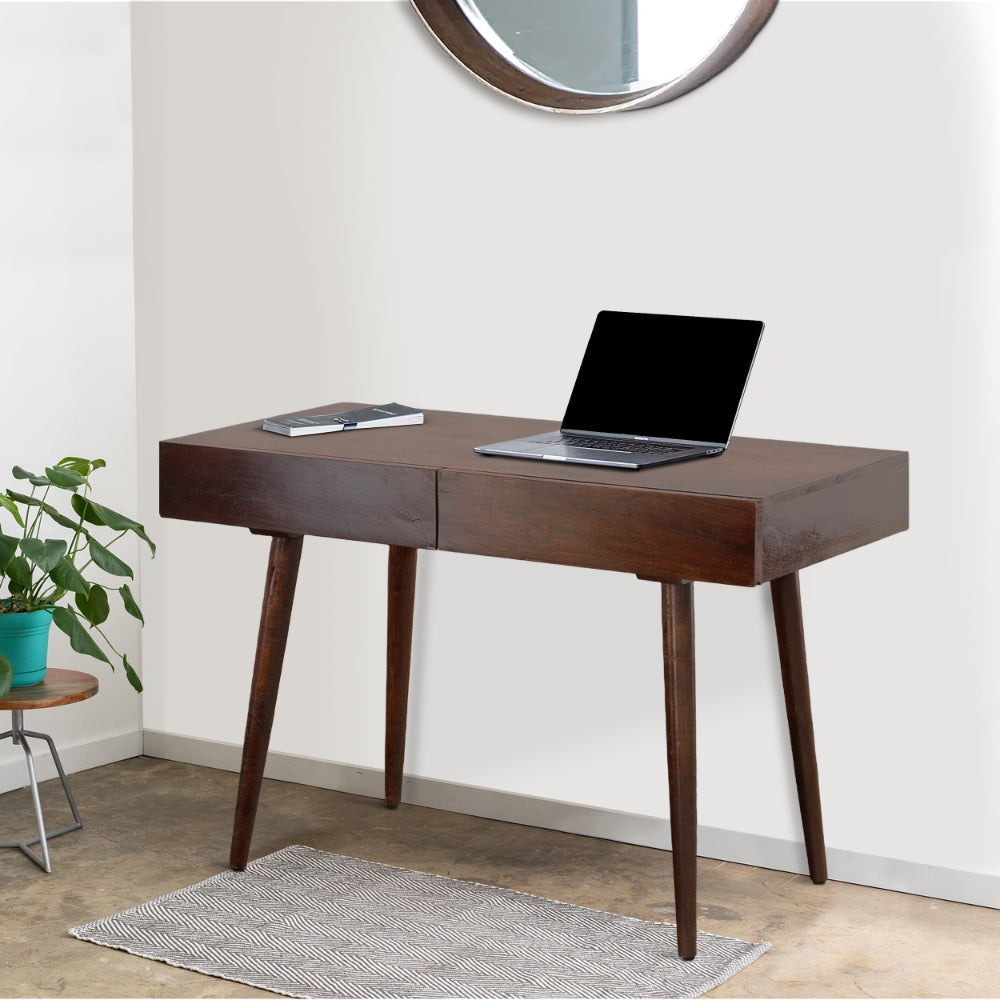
<point>386,415</point>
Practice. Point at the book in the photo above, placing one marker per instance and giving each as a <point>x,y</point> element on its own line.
<point>386,415</point>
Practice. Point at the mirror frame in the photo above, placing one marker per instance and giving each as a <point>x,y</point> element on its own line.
<point>448,23</point>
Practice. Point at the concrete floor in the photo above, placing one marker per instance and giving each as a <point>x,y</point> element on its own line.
<point>152,826</point>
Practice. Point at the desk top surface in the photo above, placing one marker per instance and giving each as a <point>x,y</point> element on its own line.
<point>758,511</point>
<point>753,468</point>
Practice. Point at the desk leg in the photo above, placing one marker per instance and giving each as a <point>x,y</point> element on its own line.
<point>402,590</point>
<point>678,671</point>
<point>787,604</point>
<point>276,611</point>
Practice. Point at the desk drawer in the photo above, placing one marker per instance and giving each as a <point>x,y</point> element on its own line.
<point>648,532</point>
<point>298,494</point>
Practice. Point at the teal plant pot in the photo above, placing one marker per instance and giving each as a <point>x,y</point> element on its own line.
<point>24,640</point>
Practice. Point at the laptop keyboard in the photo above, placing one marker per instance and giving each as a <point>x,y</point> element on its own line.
<point>609,444</point>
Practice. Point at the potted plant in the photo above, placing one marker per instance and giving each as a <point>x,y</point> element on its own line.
<point>50,577</point>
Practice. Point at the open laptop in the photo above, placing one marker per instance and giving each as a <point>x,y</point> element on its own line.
<point>651,389</point>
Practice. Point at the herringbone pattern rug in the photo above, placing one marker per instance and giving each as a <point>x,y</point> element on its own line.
<point>305,923</point>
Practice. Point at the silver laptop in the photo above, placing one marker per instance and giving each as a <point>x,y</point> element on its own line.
<point>651,389</point>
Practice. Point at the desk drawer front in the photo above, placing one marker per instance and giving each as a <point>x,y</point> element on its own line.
<point>647,532</point>
<point>271,492</point>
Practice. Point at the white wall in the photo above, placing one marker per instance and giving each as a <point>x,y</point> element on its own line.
<point>327,208</point>
<point>66,306</point>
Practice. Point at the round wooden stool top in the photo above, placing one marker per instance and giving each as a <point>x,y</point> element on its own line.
<point>60,687</point>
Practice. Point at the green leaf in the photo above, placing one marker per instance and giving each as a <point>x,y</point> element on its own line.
<point>108,561</point>
<point>66,621</point>
<point>94,605</point>
<point>129,601</point>
<point>45,554</point>
<point>63,520</point>
<point>32,478</point>
<point>96,513</point>
<point>84,466</point>
<point>52,512</point>
<point>9,504</point>
<point>133,677</point>
<point>65,479</point>
<point>7,676</point>
<point>24,498</point>
<point>90,511</point>
<point>8,546</point>
<point>19,572</point>
<point>67,576</point>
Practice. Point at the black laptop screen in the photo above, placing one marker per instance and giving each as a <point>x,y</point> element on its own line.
<point>663,376</point>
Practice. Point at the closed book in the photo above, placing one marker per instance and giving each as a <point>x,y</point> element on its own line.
<point>386,415</point>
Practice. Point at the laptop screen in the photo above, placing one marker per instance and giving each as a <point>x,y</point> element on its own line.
<point>678,377</point>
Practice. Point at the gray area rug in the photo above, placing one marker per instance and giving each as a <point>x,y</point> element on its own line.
<point>305,923</point>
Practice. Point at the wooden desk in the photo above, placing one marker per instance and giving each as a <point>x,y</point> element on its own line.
<point>756,514</point>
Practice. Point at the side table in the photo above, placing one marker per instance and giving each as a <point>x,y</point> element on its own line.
<point>60,687</point>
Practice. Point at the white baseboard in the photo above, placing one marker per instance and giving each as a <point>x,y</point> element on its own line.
<point>75,757</point>
<point>649,831</point>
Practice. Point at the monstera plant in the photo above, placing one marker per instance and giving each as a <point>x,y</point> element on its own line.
<point>57,567</point>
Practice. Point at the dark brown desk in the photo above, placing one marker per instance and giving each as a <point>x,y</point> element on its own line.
<point>756,514</point>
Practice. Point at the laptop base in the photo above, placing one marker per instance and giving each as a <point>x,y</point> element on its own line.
<point>546,448</point>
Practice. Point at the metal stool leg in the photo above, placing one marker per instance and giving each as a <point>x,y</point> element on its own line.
<point>30,760</point>
<point>18,735</point>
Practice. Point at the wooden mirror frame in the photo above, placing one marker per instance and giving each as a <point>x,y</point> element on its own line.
<point>448,23</point>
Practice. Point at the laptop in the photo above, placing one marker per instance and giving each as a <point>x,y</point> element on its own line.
<point>651,389</point>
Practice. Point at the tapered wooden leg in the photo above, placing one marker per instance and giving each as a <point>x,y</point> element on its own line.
<point>276,611</point>
<point>678,672</point>
<point>402,591</point>
<point>787,604</point>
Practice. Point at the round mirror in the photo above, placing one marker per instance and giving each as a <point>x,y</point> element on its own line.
<point>587,56</point>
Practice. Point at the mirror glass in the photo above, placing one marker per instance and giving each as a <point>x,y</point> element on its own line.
<point>603,46</point>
